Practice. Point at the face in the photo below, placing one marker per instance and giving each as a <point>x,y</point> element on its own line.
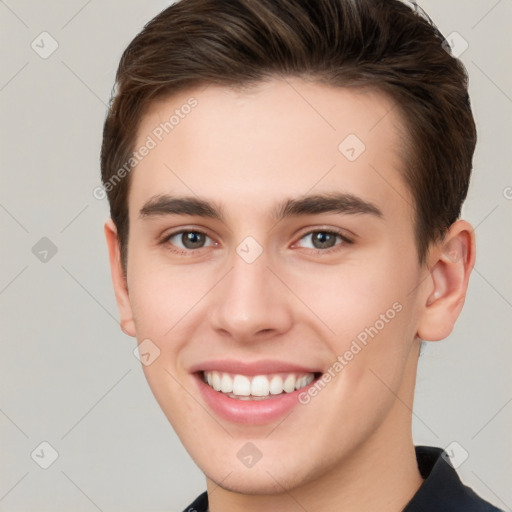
<point>280,316</point>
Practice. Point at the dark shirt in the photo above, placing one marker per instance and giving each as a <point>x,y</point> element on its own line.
<point>441,490</point>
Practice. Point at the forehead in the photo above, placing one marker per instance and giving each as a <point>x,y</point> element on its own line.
<point>279,137</point>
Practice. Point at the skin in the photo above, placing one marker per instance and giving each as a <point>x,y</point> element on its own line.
<point>352,443</point>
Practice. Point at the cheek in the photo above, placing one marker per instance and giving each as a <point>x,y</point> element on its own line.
<point>370,315</point>
<point>161,296</point>
<point>353,296</point>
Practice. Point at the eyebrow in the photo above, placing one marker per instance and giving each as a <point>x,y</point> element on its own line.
<point>335,202</point>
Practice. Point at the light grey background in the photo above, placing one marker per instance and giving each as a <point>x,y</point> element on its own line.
<point>69,376</point>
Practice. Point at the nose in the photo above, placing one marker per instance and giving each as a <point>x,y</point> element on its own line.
<point>251,302</point>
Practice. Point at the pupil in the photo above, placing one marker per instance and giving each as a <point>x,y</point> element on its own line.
<point>323,238</point>
<point>192,239</point>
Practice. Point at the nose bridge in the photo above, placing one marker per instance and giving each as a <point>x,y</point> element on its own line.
<point>250,299</point>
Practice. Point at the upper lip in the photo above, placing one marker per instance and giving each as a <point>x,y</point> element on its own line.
<point>261,367</point>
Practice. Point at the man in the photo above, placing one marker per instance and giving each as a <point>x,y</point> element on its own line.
<point>285,180</point>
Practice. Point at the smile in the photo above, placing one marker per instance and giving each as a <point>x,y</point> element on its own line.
<point>257,387</point>
<point>252,392</point>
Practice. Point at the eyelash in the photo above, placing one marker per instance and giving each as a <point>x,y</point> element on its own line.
<point>189,252</point>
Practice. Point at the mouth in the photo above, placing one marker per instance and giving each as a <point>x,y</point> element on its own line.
<point>252,394</point>
<point>257,387</point>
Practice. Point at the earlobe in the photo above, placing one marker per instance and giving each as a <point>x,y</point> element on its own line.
<point>451,263</point>
<point>119,280</point>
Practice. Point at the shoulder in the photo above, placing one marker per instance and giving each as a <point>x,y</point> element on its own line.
<point>442,490</point>
<point>200,504</point>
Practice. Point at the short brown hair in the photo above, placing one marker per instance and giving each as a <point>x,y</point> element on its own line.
<point>382,44</point>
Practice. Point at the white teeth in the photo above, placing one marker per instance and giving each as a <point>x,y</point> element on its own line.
<point>216,381</point>
<point>276,385</point>
<point>241,385</point>
<point>226,383</point>
<point>289,383</point>
<point>260,386</point>
<point>304,381</point>
<point>257,387</point>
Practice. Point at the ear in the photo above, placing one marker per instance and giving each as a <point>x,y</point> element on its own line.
<point>450,262</point>
<point>119,280</point>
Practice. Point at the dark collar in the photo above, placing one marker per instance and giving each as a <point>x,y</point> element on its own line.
<point>441,490</point>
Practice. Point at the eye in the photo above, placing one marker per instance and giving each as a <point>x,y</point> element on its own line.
<point>185,242</point>
<point>189,240</point>
<point>324,241</point>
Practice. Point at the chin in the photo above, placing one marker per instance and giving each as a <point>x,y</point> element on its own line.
<point>271,478</point>
<point>250,483</point>
<point>251,487</point>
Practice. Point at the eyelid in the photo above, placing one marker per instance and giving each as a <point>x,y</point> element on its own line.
<point>187,229</point>
<point>346,240</point>
<point>344,233</point>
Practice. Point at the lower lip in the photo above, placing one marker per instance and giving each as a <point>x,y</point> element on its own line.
<point>249,412</point>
